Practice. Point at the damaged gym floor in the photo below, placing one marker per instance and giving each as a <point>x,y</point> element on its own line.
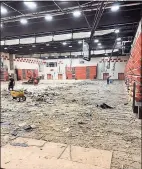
<point>69,113</point>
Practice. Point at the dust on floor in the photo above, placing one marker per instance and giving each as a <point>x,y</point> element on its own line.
<point>67,112</point>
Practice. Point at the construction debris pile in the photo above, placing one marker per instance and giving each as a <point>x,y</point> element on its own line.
<point>75,114</point>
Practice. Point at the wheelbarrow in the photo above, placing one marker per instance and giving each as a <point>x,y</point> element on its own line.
<point>18,95</point>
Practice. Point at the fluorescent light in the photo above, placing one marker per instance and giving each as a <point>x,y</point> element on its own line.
<point>5,48</point>
<point>76,13</point>
<point>31,5</point>
<point>47,44</point>
<point>33,46</point>
<point>115,8</point>
<point>118,39</point>
<point>99,44</point>
<point>20,47</point>
<point>64,43</point>
<point>1,25</point>
<point>3,10</point>
<point>96,40</point>
<point>23,21</point>
<point>118,43</point>
<point>80,42</point>
<point>116,30</point>
<point>65,56</point>
<point>48,17</point>
<point>70,46</point>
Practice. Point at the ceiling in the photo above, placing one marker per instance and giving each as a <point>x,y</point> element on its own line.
<point>126,19</point>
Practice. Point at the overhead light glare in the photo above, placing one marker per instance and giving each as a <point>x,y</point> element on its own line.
<point>116,30</point>
<point>47,44</point>
<point>80,42</point>
<point>33,46</point>
<point>23,21</point>
<point>5,48</point>
<point>48,17</point>
<point>115,8</point>
<point>3,10</point>
<point>64,43</point>
<point>70,46</point>
<point>99,44</point>
<point>1,25</point>
<point>118,43</point>
<point>96,40</point>
<point>118,39</point>
<point>76,13</point>
<point>20,47</point>
<point>31,5</point>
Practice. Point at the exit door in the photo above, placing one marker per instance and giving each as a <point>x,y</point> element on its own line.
<point>105,76</point>
<point>60,76</point>
<point>120,76</point>
<point>49,76</point>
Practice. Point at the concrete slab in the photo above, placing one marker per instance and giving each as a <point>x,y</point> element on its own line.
<point>96,157</point>
<point>53,156</point>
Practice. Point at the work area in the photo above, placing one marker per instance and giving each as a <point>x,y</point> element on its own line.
<point>71,85</point>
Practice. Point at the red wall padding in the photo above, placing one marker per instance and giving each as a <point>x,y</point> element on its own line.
<point>133,69</point>
<point>28,73</point>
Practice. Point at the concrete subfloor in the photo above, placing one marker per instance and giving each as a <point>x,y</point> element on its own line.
<point>69,115</point>
<point>28,153</point>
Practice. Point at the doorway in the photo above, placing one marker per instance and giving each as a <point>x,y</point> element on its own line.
<point>121,76</point>
<point>105,76</point>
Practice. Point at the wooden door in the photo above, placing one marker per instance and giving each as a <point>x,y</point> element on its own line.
<point>49,76</point>
<point>121,76</point>
<point>105,76</point>
<point>60,76</point>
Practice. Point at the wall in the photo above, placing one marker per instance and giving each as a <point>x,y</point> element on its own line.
<point>133,69</point>
<point>100,62</point>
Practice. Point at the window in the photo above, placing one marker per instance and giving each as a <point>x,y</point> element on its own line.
<point>51,64</point>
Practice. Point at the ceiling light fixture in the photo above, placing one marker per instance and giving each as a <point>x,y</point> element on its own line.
<point>64,43</point>
<point>99,44</point>
<point>96,40</point>
<point>47,44</point>
<point>48,17</point>
<point>80,42</point>
<point>5,48</point>
<point>118,39</point>
<point>70,46</point>
<point>23,21</point>
<point>76,13</point>
<point>118,43</point>
<point>33,46</point>
<point>116,30</point>
<point>20,47</point>
<point>115,8</point>
<point>31,5</point>
<point>3,10</point>
<point>1,25</point>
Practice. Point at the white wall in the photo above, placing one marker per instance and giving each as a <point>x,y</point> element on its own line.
<point>63,63</point>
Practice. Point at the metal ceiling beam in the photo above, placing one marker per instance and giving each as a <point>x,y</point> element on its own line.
<point>12,8</point>
<point>58,6</point>
<point>84,16</point>
<point>57,13</point>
